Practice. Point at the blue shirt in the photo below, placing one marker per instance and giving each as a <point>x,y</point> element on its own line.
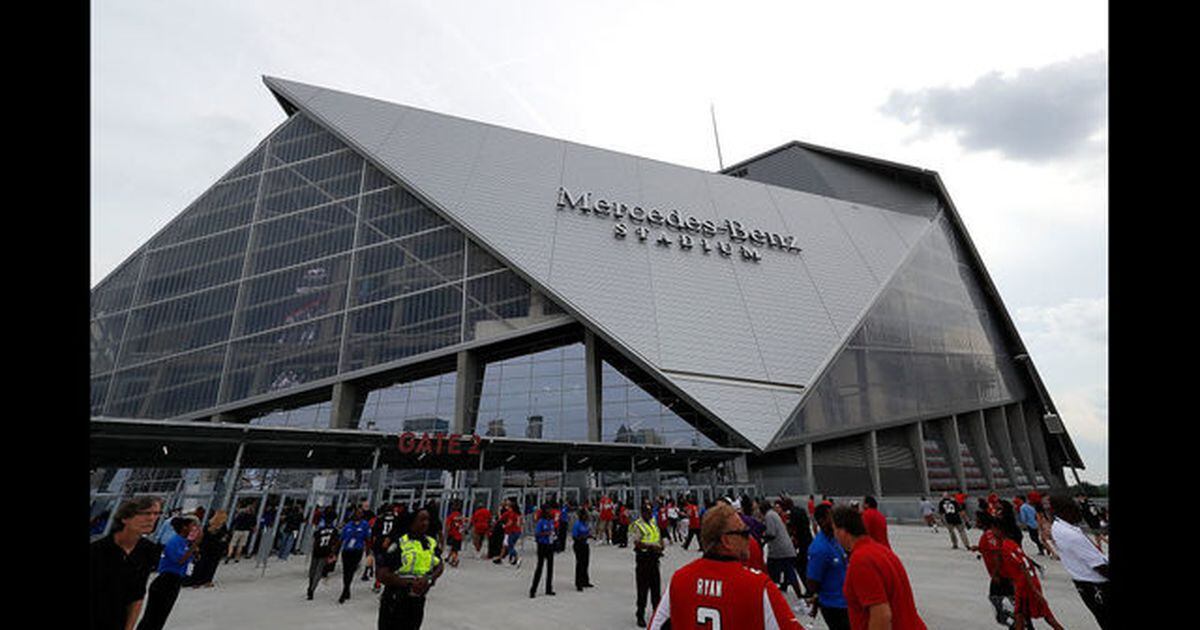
<point>581,530</point>
<point>172,557</point>
<point>827,565</point>
<point>354,535</point>
<point>544,531</point>
<point>1029,516</point>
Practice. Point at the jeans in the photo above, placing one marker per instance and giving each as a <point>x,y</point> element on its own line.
<point>289,539</point>
<point>511,541</point>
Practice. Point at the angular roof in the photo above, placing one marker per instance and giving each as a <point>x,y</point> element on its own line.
<point>739,339</point>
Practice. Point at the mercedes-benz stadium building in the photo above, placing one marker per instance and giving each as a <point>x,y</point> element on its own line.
<point>387,298</point>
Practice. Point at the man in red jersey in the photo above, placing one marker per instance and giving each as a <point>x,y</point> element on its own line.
<point>875,522</point>
<point>606,518</point>
<point>716,591</point>
<point>878,593</point>
<point>454,532</point>
<point>481,522</point>
<point>693,516</point>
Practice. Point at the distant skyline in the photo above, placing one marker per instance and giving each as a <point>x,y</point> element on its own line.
<point>1010,111</point>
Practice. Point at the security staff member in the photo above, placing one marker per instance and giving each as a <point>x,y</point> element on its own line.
<point>647,549</point>
<point>408,568</point>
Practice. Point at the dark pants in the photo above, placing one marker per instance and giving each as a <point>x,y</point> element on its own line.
<point>160,599</point>
<point>693,532</point>
<point>1033,535</point>
<point>783,572</point>
<point>560,543</point>
<point>836,618</point>
<point>545,553</point>
<point>350,560</point>
<point>399,611</point>
<point>1096,597</point>
<point>582,556</point>
<point>316,571</point>
<point>648,581</point>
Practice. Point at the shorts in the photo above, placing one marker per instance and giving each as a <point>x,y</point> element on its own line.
<point>240,538</point>
<point>454,543</point>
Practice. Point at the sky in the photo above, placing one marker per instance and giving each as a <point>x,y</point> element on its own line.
<point>1007,102</point>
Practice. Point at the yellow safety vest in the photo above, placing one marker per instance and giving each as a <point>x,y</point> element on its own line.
<point>650,534</point>
<point>415,559</point>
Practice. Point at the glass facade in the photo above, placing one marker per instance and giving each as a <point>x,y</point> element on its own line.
<point>423,405</point>
<point>542,395</point>
<point>929,345</point>
<point>629,413</point>
<point>301,263</point>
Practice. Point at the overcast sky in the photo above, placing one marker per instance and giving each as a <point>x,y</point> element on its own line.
<point>1008,102</point>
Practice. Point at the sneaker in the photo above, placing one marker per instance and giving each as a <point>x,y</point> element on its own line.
<point>375,589</point>
<point>641,623</point>
<point>496,561</point>
<point>309,596</point>
<point>517,564</point>
<point>532,594</point>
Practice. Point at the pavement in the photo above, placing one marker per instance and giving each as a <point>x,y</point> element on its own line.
<point>950,588</point>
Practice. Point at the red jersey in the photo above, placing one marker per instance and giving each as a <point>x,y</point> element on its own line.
<point>706,594</point>
<point>1027,587</point>
<point>756,560</point>
<point>512,522</point>
<point>454,522</point>
<point>875,576</point>
<point>812,506</point>
<point>606,510</point>
<point>623,516</point>
<point>693,514</point>
<point>991,548</point>
<point>481,519</point>
<point>876,525</point>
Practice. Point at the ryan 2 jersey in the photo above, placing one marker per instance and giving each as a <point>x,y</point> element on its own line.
<point>709,594</point>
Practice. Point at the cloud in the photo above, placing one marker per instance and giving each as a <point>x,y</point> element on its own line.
<point>1040,114</point>
<point>1077,324</point>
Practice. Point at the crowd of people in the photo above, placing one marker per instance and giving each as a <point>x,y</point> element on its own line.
<point>837,559</point>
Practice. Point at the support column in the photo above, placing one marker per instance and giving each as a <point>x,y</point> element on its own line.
<point>872,448</point>
<point>977,433</point>
<point>1015,415</point>
<point>949,428</point>
<point>804,461</point>
<point>1037,439</point>
<point>595,386</point>
<point>916,441</point>
<point>232,477</point>
<point>997,426</point>
<point>342,413</point>
<point>375,482</point>
<point>467,384</point>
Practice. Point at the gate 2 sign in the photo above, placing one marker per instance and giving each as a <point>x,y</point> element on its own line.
<point>439,443</point>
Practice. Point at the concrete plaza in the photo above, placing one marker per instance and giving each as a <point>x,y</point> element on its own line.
<point>950,588</point>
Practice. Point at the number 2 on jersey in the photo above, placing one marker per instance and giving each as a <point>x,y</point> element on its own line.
<point>704,614</point>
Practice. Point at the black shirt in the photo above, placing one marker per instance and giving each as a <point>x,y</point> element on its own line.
<point>244,521</point>
<point>325,540</point>
<point>117,580</point>
<point>385,527</point>
<point>949,509</point>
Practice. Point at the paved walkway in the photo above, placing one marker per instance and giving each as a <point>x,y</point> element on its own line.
<point>950,588</point>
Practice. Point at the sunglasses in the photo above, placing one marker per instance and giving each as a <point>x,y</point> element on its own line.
<point>744,533</point>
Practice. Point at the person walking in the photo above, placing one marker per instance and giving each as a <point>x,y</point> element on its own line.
<point>692,512</point>
<point>1029,602</point>
<point>1045,521</point>
<point>164,590</point>
<point>875,521</point>
<point>1027,517</point>
<point>481,520</point>
<point>243,526</point>
<point>927,514</point>
<point>293,518</point>
<point>952,516</point>
<point>877,588</point>
<point>647,550</point>
<point>580,534</point>
<point>354,541</point>
<point>120,563</point>
<point>512,533</point>
<point>544,533</point>
<point>385,528</point>
<point>781,553</point>
<point>408,568</point>
<point>212,549</point>
<point>801,533</point>
<point>1000,588</point>
<point>622,525</point>
<point>606,518</point>
<point>324,553</point>
<point>1083,559</point>
<point>826,573</point>
<point>717,591</point>
<point>454,532</point>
